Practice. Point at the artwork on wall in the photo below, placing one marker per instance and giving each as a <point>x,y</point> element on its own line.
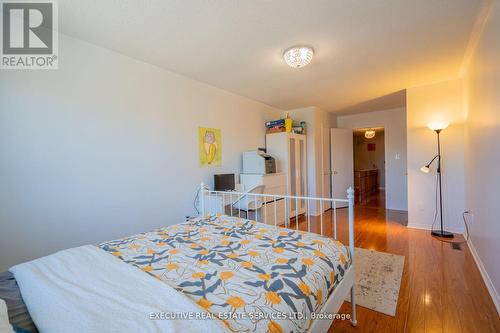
<point>210,146</point>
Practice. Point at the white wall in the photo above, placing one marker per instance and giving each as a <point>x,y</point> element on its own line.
<point>427,104</point>
<point>482,138</point>
<point>106,146</point>
<point>394,123</point>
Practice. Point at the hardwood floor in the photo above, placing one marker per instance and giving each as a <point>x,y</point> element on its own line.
<point>441,289</point>
<point>374,201</point>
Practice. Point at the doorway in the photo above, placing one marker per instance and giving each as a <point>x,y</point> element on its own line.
<point>369,167</point>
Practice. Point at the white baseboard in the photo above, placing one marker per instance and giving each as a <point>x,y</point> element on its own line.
<point>429,227</point>
<point>486,278</point>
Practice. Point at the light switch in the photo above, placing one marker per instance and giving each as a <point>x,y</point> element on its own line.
<point>397,156</point>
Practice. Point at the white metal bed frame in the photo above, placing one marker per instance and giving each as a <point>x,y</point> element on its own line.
<point>336,299</point>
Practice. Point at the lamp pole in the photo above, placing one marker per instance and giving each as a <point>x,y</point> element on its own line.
<point>441,232</point>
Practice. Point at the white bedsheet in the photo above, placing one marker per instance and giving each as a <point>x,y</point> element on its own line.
<point>85,289</point>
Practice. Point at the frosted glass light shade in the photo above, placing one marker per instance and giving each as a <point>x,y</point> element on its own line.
<point>298,56</point>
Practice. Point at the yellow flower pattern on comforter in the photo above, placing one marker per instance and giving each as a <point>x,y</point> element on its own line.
<point>255,277</point>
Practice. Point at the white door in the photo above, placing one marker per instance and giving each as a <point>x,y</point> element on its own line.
<point>342,162</point>
<point>326,190</point>
<point>297,182</point>
<point>302,165</point>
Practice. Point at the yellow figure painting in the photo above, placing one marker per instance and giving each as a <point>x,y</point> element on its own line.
<point>210,146</point>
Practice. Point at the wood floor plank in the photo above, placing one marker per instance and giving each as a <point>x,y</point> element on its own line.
<point>441,288</point>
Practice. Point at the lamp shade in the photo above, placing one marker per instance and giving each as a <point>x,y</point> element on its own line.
<point>425,169</point>
<point>438,125</point>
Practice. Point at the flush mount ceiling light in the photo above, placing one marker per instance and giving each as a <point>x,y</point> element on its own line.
<point>298,56</point>
<point>370,134</point>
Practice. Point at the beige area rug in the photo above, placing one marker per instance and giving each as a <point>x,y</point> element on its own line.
<point>378,279</point>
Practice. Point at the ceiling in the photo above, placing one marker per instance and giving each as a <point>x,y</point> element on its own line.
<point>364,49</point>
<point>386,102</point>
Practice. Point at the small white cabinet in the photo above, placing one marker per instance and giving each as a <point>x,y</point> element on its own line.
<point>290,152</point>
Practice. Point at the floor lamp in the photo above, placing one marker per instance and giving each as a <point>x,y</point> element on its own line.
<point>438,127</point>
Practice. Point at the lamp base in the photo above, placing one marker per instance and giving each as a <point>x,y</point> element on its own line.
<point>442,234</point>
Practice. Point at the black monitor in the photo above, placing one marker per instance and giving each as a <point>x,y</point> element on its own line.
<point>224,182</point>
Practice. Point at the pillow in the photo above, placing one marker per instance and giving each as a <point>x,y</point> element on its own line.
<point>4,319</point>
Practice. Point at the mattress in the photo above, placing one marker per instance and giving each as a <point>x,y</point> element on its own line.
<point>252,276</point>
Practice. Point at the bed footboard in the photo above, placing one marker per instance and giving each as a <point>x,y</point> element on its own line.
<point>294,207</point>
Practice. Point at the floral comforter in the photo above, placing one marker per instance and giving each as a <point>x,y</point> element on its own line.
<point>252,276</point>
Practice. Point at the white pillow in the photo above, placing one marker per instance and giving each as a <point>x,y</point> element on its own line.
<point>4,319</point>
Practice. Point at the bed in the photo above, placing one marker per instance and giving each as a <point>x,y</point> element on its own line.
<point>213,273</point>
